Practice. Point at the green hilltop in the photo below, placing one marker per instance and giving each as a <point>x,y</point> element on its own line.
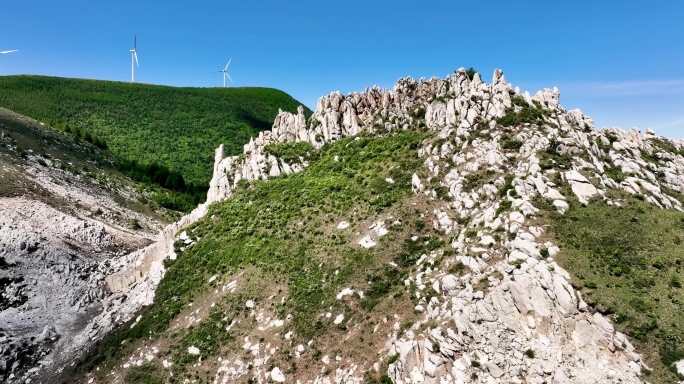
<point>178,128</point>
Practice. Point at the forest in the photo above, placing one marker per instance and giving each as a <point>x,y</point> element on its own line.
<point>178,128</point>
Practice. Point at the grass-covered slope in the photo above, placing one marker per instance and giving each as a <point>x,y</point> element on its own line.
<point>175,127</point>
<point>627,262</point>
<point>26,144</point>
<point>280,239</point>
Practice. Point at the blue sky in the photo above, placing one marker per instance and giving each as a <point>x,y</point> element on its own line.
<point>621,62</point>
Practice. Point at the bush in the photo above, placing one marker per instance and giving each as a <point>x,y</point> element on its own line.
<point>135,224</point>
<point>457,268</point>
<point>658,263</point>
<point>529,353</point>
<point>470,72</point>
<point>504,205</point>
<point>526,114</point>
<point>511,143</point>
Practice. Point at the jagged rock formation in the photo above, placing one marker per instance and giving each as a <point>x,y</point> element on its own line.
<point>514,317</point>
<point>528,308</point>
<point>455,101</point>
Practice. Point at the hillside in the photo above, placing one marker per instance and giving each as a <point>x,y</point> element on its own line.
<point>175,127</point>
<point>446,231</point>
<point>66,217</point>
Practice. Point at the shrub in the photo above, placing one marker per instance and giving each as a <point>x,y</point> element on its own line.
<point>526,114</point>
<point>508,184</point>
<point>529,353</point>
<point>470,72</point>
<point>135,224</point>
<point>511,143</point>
<point>145,374</point>
<point>442,193</point>
<point>291,152</point>
<point>503,206</point>
<point>457,268</point>
<point>658,263</point>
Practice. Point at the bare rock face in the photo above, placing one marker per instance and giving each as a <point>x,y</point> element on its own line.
<point>60,234</point>
<point>52,280</point>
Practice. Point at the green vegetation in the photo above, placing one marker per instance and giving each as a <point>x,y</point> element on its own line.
<point>52,147</point>
<point>292,152</point>
<point>471,73</point>
<point>477,180</point>
<point>627,262</point>
<point>511,143</point>
<point>147,373</point>
<point>80,134</point>
<point>173,193</point>
<point>283,230</point>
<point>662,144</point>
<point>533,114</point>
<point>551,158</point>
<point>176,127</point>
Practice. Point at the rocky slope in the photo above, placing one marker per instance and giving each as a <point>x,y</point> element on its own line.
<point>62,222</point>
<point>480,296</point>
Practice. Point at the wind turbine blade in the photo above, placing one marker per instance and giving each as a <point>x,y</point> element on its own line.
<point>227,64</point>
<point>135,41</point>
<point>14,50</point>
<point>231,80</point>
<point>136,58</point>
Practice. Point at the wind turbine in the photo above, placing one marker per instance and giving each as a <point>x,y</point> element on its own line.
<point>225,73</point>
<point>134,59</point>
<point>14,50</point>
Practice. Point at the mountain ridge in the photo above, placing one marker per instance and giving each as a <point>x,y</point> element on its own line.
<point>460,281</point>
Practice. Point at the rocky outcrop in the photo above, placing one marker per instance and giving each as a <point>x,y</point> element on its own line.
<point>437,102</point>
<point>133,283</point>
<point>513,316</point>
<point>526,323</point>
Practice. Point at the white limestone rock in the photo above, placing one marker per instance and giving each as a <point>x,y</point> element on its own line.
<point>581,186</point>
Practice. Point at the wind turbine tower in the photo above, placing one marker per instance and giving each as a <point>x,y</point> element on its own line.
<point>225,73</point>
<point>134,59</point>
